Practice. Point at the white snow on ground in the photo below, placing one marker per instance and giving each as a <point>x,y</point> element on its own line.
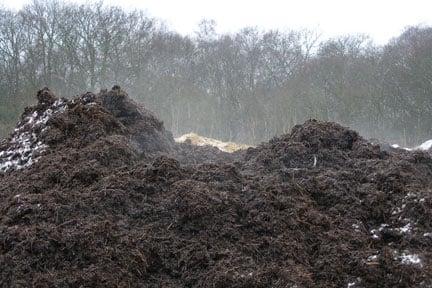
<point>198,140</point>
<point>409,198</point>
<point>356,227</point>
<point>405,258</point>
<point>406,229</point>
<point>425,146</point>
<point>372,258</point>
<point>408,259</point>
<point>24,143</point>
<point>376,232</point>
<point>353,284</point>
<point>409,227</point>
<point>397,146</point>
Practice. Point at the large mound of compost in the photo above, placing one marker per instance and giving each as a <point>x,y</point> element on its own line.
<point>94,192</point>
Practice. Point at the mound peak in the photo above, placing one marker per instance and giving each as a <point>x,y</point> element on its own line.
<point>60,124</point>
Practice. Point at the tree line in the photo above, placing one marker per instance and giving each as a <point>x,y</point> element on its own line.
<point>247,86</point>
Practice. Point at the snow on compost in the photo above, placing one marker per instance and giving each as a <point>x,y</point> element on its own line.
<point>25,146</point>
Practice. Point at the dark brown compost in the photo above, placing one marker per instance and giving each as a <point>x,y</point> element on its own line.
<point>94,192</point>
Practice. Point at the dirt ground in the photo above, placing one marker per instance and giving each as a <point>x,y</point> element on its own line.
<point>94,192</point>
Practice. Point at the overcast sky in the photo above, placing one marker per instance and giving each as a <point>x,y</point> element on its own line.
<point>381,19</point>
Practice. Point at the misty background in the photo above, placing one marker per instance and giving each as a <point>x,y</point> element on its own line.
<point>246,86</point>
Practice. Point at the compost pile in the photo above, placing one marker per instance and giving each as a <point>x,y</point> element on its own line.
<point>94,192</point>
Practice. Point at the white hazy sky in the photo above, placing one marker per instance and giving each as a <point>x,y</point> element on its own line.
<point>381,19</point>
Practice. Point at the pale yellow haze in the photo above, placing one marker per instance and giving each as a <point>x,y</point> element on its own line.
<point>381,20</point>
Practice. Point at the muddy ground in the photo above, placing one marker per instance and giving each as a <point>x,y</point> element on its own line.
<point>94,192</point>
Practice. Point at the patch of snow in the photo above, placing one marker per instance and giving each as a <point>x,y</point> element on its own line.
<point>375,232</point>
<point>397,146</point>
<point>429,234</point>
<point>356,227</point>
<point>354,283</point>
<point>398,210</point>
<point>250,274</point>
<point>383,226</point>
<point>425,146</point>
<point>372,258</point>
<point>405,229</point>
<point>409,198</point>
<point>19,207</point>
<point>409,259</point>
<point>24,144</point>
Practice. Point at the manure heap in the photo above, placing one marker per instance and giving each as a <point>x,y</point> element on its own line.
<point>94,192</point>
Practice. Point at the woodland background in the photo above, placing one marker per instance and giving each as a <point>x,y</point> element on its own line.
<point>245,87</point>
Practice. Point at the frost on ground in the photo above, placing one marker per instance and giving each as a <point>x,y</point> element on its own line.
<point>25,145</point>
